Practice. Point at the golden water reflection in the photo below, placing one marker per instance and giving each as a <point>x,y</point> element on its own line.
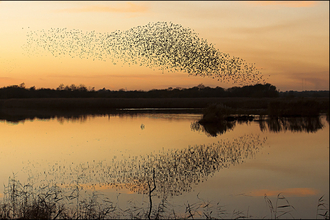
<point>173,171</point>
<point>114,156</point>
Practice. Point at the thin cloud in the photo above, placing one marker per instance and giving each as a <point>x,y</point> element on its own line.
<point>5,78</point>
<point>264,29</point>
<point>128,7</point>
<point>102,76</point>
<point>311,80</point>
<point>286,192</point>
<point>147,76</point>
<point>292,4</point>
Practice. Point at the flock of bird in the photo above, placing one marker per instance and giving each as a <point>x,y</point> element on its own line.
<point>162,45</point>
<point>173,172</point>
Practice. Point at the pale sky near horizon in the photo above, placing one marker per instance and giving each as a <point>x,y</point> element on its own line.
<point>287,41</point>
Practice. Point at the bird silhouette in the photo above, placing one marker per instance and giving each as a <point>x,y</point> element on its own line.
<point>161,45</point>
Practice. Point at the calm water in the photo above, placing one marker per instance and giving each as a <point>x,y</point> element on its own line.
<point>230,166</point>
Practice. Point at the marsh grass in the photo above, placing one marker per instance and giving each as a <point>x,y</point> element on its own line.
<point>216,113</point>
<point>322,208</point>
<point>294,108</point>
<point>49,201</point>
<point>281,208</point>
<point>303,107</point>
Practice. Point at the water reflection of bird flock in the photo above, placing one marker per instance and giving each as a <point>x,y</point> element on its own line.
<point>162,45</point>
<point>159,175</point>
<point>173,171</point>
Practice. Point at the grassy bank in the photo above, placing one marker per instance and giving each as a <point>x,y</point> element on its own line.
<point>23,201</point>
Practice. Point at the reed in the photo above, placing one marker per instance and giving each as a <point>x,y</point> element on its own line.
<point>50,201</point>
<point>294,108</point>
<point>281,208</point>
<point>322,208</point>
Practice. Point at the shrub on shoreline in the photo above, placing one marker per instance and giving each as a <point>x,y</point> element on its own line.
<point>276,108</point>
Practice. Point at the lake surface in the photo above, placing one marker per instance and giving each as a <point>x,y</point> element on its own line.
<point>223,171</point>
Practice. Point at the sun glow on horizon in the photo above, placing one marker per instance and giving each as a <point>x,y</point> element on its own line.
<point>291,43</point>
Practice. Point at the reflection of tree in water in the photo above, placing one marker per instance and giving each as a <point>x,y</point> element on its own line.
<point>327,117</point>
<point>273,124</point>
<point>218,128</point>
<point>214,129</point>
<point>75,117</point>
<point>295,124</point>
<point>176,171</point>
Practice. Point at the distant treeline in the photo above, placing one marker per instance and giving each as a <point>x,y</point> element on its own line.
<point>291,93</point>
<point>81,91</point>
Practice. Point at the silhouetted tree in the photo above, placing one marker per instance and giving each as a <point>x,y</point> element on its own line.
<point>22,85</point>
<point>60,87</point>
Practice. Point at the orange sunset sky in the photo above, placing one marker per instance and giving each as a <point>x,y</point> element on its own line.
<point>287,41</point>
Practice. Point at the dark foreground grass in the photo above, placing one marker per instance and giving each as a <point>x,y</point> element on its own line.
<point>50,201</point>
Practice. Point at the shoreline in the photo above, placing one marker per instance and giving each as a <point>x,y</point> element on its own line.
<point>120,103</point>
<point>30,108</point>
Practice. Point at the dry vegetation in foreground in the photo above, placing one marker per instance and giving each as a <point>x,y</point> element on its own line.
<point>50,202</point>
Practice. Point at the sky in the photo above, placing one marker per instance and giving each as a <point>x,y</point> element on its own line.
<point>287,41</point>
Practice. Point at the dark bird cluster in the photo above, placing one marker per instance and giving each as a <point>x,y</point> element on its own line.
<point>174,171</point>
<point>161,45</point>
